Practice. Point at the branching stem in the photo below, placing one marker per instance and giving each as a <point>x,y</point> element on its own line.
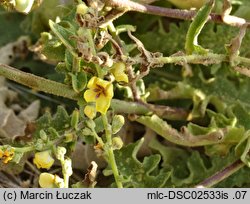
<point>128,5</point>
<point>109,151</point>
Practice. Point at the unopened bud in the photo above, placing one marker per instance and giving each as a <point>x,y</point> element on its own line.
<point>90,124</point>
<point>43,135</point>
<point>39,144</point>
<point>67,167</point>
<point>60,152</point>
<point>24,6</point>
<point>82,9</point>
<point>117,123</point>
<point>69,137</point>
<point>75,119</point>
<point>87,132</point>
<point>59,182</point>
<point>117,143</point>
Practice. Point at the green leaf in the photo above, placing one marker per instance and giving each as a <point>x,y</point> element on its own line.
<point>191,45</point>
<point>69,60</point>
<point>242,149</point>
<point>51,47</point>
<point>189,167</point>
<point>65,35</point>
<point>79,81</point>
<point>138,174</point>
<point>60,122</point>
<point>61,119</point>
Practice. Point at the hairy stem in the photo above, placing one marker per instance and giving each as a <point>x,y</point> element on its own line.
<point>31,148</point>
<point>109,151</point>
<point>99,139</point>
<point>221,175</point>
<point>37,83</point>
<point>93,50</point>
<point>171,13</point>
<point>206,59</point>
<point>59,89</point>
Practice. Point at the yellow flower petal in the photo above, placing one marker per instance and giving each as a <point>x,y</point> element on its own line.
<point>46,180</point>
<point>119,67</point>
<point>109,91</point>
<point>90,111</point>
<point>1,153</point>
<point>101,92</point>
<point>92,82</point>
<point>7,155</point>
<point>118,70</point>
<point>102,83</point>
<point>90,95</point>
<point>121,77</point>
<point>102,104</point>
<point>43,160</point>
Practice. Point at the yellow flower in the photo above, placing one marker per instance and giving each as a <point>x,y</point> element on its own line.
<point>118,70</point>
<point>100,92</point>
<point>43,159</point>
<point>47,180</point>
<point>6,155</point>
<point>90,111</point>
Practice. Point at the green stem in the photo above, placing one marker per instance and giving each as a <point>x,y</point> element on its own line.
<point>24,149</point>
<point>209,58</point>
<point>114,35</point>
<point>32,147</point>
<point>99,139</point>
<point>109,151</point>
<point>90,40</point>
<point>120,106</point>
<point>93,50</point>
<point>66,181</point>
<point>37,83</point>
<point>59,89</point>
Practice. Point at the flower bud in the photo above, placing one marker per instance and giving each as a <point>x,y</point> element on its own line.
<point>69,137</point>
<point>90,111</point>
<point>43,159</point>
<point>43,135</point>
<point>46,180</point>
<point>67,167</point>
<point>39,145</point>
<point>7,154</point>
<point>90,124</point>
<point>117,143</point>
<point>118,70</point>
<point>59,182</point>
<point>24,6</point>
<point>117,123</point>
<point>82,9</point>
<point>87,132</point>
<point>75,119</point>
<point>60,152</point>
